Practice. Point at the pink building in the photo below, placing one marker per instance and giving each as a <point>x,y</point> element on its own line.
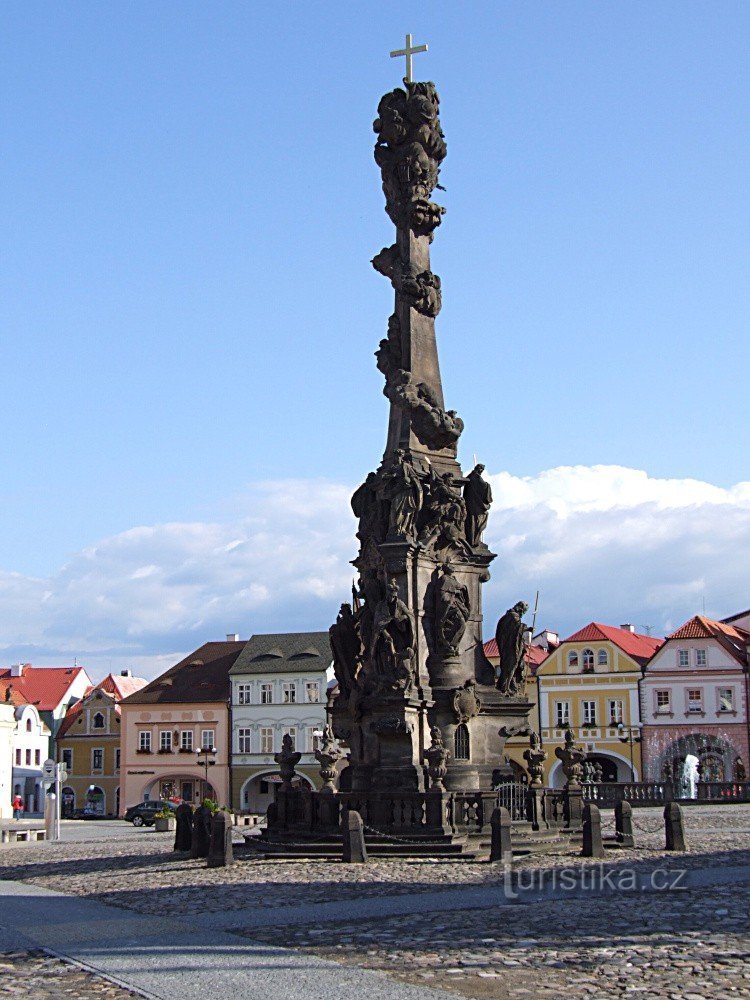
<point>694,702</point>
<point>168,724</point>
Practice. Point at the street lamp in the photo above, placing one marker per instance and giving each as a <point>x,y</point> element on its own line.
<point>205,753</point>
<point>631,735</point>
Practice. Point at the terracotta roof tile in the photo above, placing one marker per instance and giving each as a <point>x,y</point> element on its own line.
<point>639,647</point>
<point>735,640</point>
<point>536,654</point>
<point>44,687</point>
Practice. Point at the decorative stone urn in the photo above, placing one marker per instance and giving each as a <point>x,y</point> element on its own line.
<point>571,756</point>
<point>437,760</point>
<point>535,757</point>
<point>287,759</point>
<point>328,755</point>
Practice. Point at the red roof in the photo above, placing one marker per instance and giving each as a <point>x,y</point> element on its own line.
<point>638,647</point>
<point>121,686</point>
<point>536,655</point>
<point>735,640</point>
<point>43,687</point>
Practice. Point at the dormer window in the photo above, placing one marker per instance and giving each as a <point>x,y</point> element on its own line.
<point>602,658</point>
<point>573,660</point>
<point>98,721</point>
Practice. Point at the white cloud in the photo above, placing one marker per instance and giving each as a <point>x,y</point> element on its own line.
<point>600,542</point>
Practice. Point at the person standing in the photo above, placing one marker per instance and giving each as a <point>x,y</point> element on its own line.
<point>17,807</point>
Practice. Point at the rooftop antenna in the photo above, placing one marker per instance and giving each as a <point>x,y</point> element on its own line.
<point>647,629</point>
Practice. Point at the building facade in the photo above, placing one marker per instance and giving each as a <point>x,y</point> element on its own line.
<point>590,684</point>
<point>51,690</point>
<point>7,728</point>
<point>88,743</point>
<point>168,726</point>
<point>279,687</point>
<point>31,748</point>
<point>694,703</point>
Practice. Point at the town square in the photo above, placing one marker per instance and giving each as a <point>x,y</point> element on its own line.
<point>303,694</point>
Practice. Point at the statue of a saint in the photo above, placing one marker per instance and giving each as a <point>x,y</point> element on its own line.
<point>392,649</point>
<point>512,641</point>
<point>348,652</point>
<point>451,612</point>
<point>478,499</point>
<point>402,489</point>
<point>366,507</point>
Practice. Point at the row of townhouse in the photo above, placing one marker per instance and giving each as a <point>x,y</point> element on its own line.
<point>211,724</point>
<point>33,704</point>
<point>644,708</point>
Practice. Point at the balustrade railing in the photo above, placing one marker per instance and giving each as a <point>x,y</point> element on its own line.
<point>723,791</point>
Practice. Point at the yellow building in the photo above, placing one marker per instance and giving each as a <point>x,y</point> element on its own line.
<point>590,685</point>
<point>88,742</point>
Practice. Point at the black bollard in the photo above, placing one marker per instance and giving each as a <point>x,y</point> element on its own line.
<point>183,838</point>
<point>500,849</point>
<point>674,828</point>
<point>201,833</point>
<point>353,832</point>
<point>592,832</point>
<point>220,852</point>
<point>624,824</point>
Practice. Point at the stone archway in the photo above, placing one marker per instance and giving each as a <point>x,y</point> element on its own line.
<point>702,756</point>
<point>258,792</point>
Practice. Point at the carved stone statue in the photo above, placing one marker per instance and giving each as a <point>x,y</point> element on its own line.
<point>366,507</point>
<point>402,489</point>
<point>444,524</point>
<point>511,636</point>
<point>409,149</point>
<point>478,498</point>
<point>287,759</point>
<point>347,648</point>
<point>434,426</point>
<point>327,755</point>
<point>535,757</point>
<point>437,759</point>
<point>571,757</point>
<point>452,611</point>
<point>667,771</point>
<point>393,641</point>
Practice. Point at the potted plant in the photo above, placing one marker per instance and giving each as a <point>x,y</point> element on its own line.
<point>164,820</point>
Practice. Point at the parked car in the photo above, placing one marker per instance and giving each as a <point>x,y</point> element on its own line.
<point>143,814</point>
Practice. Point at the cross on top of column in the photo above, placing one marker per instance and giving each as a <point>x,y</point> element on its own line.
<point>408,51</point>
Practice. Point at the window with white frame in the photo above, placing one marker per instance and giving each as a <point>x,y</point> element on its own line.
<point>289,692</point>
<point>701,658</point>
<point>165,739</point>
<point>244,694</point>
<point>562,713</point>
<point>573,660</point>
<point>312,691</point>
<point>602,657</point>
<point>615,711</point>
<point>144,740</point>
<point>663,701</point>
<point>266,694</point>
<point>313,741</point>
<point>694,700</point>
<point>97,760</point>
<point>186,739</point>
<point>726,699</point>
<point>208,739</point>
<point>683,657</point>
<point>67,759</point>
<point>244,740</point>
<point>587,657</point>
<point>266,739</point>
<point>588,711</point>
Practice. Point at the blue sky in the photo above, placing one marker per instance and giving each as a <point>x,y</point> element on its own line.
<point>188,310</point>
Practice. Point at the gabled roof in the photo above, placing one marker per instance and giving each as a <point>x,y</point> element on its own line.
<point>44,687</point>
<point>121,686</point>
<point>202,676</point>
<point>734,640</point>
<point>284,653</point>
<point>536,655</point>
<point>638,647</point>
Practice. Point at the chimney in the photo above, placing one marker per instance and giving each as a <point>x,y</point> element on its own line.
<point>17,669</point>
<point>233,637</point>
<point>126,673</point>
<point>627,627</point>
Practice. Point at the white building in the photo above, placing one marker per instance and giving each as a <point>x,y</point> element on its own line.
<point>279,687</point>
<point>7,729</point>
<point>31,747</point>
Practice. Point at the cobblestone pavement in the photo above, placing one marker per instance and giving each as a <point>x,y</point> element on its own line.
<point>37,974</point>
<point>148,877</point>
<point>682,945</point>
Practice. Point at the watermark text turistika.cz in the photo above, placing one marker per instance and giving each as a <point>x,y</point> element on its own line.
<point>591,878</point>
